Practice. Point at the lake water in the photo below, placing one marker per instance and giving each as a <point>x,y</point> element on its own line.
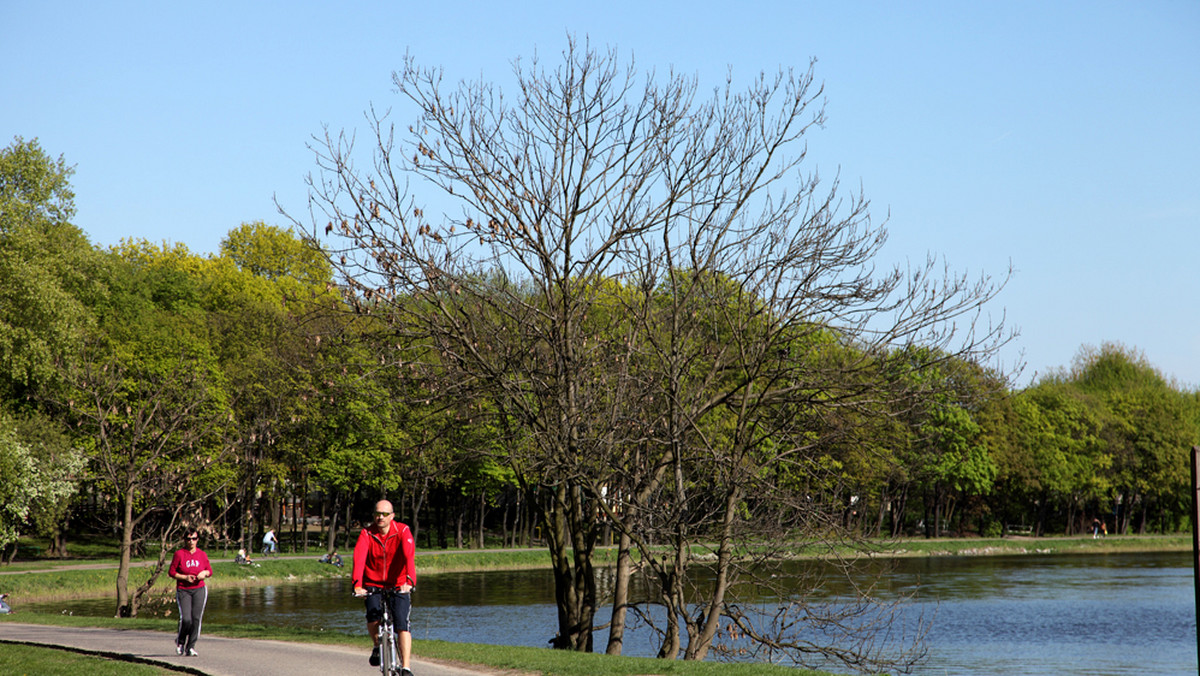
<point>1098,614</point>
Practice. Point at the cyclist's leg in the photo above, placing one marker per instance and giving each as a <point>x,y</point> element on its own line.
<point>404,640</point>
<point>401,612</point>
<point>374,607</point>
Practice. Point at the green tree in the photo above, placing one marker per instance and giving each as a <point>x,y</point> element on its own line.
<point>276,253</point>
<point>1066,464</point>
<point>60,467</point>
<point>50,276</point>
<point>19,488</point>
<point>264,299</point>
<point>1148,428</point>
<point>41,473</point>
<point>148,403</point>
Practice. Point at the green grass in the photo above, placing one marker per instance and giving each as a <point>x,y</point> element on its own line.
<point>1030,545</point>
<point>562,663</point>
<point>18,659</point>
<point>59,581</point>
<point>496,559</point>
<point>98,549</point>
<point>79,583</point>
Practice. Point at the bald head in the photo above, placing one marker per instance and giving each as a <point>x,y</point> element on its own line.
<point>383,516</point>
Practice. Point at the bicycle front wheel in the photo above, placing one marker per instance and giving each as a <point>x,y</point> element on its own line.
<point>388,664</point>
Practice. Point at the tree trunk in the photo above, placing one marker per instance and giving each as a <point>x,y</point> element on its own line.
<point>1040,530</point>
<point>246,522</point>
<point>620,607</point>
<point>458,524</point>
<point>672,597</point>
<point>323,524</point>
<point>417,499</point>
<point>483,512</point>
<point>441,529</point>
<point>574,585</point>
<point>504,538</point>
<point>126,516</point>
<point>881,512</point>
<point>331,535</point>
<point>898,512</point>
<point>937,510</point>
<point>700,637</point>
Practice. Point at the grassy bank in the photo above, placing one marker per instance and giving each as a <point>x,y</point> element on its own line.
<point>57,580</point>
<point>99,582</point>
<point>1031,545</point>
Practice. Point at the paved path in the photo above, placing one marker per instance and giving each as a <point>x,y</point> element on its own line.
<point>218,656</point>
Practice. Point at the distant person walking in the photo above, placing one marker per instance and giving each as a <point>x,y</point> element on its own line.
<point>190,567</point>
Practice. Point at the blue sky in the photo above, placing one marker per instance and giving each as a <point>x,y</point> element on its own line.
<point>1063,137</point>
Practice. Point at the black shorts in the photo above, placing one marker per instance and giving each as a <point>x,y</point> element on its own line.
<point>401,608</point>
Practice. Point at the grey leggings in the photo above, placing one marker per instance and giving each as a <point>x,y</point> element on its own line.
<point>191,612</point>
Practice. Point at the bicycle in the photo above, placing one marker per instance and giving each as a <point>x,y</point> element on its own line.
<point>389,653</point>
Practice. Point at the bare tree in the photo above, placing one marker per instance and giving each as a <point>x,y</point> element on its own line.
<point>647,289</point>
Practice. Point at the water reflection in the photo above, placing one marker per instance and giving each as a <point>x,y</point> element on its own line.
<point>1060,614</point>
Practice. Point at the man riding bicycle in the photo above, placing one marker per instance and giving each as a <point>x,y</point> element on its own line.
<point>270,543</point>
<point>383,558</point>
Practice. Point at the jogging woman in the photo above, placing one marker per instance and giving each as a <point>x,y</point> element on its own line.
<point>190,568</point>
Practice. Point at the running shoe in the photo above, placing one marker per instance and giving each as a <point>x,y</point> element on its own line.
<point>374,659</point>
<point>178,649</point>
<point>405,671</point>
<point>192,652</point>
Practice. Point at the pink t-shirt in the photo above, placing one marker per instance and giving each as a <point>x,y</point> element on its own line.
<point>189,563</point>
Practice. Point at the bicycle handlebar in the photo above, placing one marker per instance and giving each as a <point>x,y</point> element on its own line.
<point>379,590</point>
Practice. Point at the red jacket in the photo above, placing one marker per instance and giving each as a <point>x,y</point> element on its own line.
<point>385,560</point>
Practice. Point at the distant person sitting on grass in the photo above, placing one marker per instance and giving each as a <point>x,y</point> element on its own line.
<point>241,559</point>
<point>5,609</point>
<point>332,558</point>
